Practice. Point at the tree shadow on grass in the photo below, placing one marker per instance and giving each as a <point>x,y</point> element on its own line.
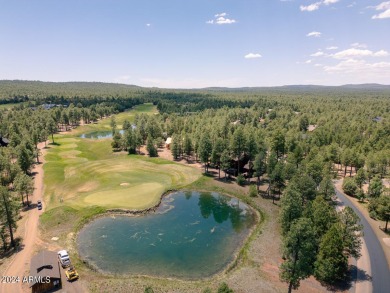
<point>208,174</point>
<point>55,143</point>
<point>223,180</point>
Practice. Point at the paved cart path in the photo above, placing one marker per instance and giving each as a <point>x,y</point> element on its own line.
<point>374,271</point>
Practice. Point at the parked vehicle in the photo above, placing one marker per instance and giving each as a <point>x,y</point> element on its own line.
<point>71,274</point>
<point>39,204</point>
<point>63,257</point>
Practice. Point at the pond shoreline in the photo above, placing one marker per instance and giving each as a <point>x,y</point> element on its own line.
<point>237,255</point>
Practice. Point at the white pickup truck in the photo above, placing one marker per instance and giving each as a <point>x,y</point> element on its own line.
<point>63,257</point>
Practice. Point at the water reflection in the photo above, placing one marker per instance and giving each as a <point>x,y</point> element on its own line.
<point>102,134</point>
<point>99,134</point>
<point>224,208</point>
<point>191,235</point>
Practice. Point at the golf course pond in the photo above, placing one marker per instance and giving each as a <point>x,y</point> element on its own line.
<point>99,134</point>
<point>191,235</point>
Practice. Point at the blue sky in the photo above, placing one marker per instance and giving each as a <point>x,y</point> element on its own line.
<point>196,43</point>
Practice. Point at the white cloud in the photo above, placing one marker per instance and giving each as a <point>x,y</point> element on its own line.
<point>252,56</point>
<point>384,14</point>
<point>314,34</point>
<point>382,6</point>
<point>332,48</point>
<point>223,20</point>
<point>311,7</point>
<point>308,61</point>
<point>316,5</point>
<point>359,66</point>
<point>328,2</point>
<point>220,18</point>
<point>317,54</point>
<point>359,53</point>
<point>358,45</point>
<point>381,53</point>
<point>148,24</point>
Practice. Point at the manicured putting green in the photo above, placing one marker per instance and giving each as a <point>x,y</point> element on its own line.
<point>140,196</point>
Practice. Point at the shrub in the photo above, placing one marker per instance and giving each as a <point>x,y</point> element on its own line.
<point>149,290</point>
<point>240,180</point>
<point>373,215</point>
<point>349,186</point>
<point>252,191</point>
<point>224,288</point>
<point>375,188</point>
<point>360,195</point>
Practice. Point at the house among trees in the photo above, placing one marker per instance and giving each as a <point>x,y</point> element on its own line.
<point>168,143</point>
<point>45,272</point>
<point>4,142</point>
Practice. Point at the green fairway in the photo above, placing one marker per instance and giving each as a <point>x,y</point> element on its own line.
<point>85,172</point>
<point>9,106</point>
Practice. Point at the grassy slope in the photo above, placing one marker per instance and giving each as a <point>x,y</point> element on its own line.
<point>90,178</point>
<point>7,106</point>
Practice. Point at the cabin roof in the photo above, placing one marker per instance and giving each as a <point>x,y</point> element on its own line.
<point>45,264</point>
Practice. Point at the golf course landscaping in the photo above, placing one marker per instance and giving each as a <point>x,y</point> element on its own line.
<point>84,177</point>
<point>82,172</point>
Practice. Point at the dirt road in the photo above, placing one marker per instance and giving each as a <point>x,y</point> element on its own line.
<point>20,265</point>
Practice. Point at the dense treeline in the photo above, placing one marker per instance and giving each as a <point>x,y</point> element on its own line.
<point>14,100</point>
<point>294,141</point>
<point>39,89</point>
<point>297,146</point>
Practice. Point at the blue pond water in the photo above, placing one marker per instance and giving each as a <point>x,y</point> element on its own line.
<point>191,235</point>
<point>102,134</point>
<point>99,134</point>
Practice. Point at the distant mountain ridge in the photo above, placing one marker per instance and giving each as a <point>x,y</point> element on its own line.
<point>25,84</point>
<point>308,88</point>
